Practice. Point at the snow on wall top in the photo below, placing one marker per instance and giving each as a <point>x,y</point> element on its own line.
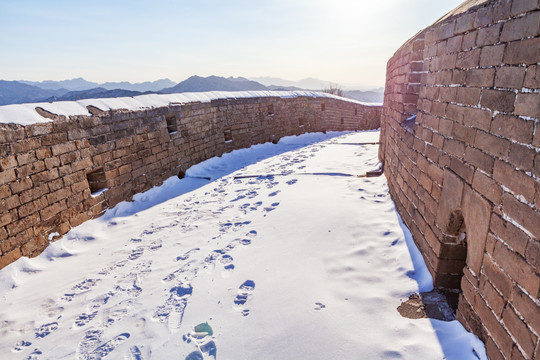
<point>26,114</point>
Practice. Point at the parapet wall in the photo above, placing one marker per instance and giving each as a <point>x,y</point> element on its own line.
<point>57,173</point>
<point>461,149</point>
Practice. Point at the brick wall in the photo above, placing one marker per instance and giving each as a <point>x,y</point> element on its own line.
<point>48,171</point>
<point>465,171</point>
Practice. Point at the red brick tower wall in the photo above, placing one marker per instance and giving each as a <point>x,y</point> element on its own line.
<point>465,171</point>
<point>48,171</point>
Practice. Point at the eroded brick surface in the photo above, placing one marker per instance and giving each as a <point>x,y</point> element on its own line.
<point>484,137</point>
<point>48,172</point>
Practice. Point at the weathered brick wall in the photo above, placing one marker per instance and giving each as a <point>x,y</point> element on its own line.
<point>48,171</point>
<point>465,172</point>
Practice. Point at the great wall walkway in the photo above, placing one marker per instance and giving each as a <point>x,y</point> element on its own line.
<point>308,263</point>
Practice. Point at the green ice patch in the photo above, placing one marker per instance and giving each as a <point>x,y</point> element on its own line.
<point>204,328</point>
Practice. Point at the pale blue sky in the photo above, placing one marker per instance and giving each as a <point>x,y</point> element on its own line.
<point>344,41</point>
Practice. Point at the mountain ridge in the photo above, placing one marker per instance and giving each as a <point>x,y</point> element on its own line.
<point>15,92</point>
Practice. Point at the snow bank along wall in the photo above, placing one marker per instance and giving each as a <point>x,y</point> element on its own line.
<point>49,170</point>
<point>461,148</point>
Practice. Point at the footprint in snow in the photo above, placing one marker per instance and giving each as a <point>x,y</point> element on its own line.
<point>292,182</point>
<point>244,292</point>
<point>46,329</point>
<point>134,353</point>
<point>90,340</point>
<point>274,193</point>
<point>202,337</point>
<point>319,306</point>
<point>173,310</point>
<point>109,346</point>
<point>21,345</point>
<point>271,207</point>
<point>34,355</point>
<point>80,288</point>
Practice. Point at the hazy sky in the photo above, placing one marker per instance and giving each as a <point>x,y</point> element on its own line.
<point>344,41</point>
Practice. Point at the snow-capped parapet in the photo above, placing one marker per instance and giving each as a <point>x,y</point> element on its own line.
<point>26,114</point>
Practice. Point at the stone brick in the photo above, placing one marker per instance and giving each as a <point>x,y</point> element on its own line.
<point>463,133</point>
<point>468,59</point>
<point>484,16</point>
<point>492,55</point>
<point>10,202</point>
<point>532,77</point>
<point>25,158</point>
<point>52,210</point>
<point>523,214</point>
<point>462,169</point>
<point>5,191</point>
<point>478,118</point>
<point>493,299</point>
<point>525,306</point>
<point>528,105</point>
<point>510,77</point>
<point>32,207</point>
<point>10,257</point>
<point>477,214</point>
<point>468,96</point>
<point>492,145</point>
<point>480,77</point>
<point>58,195</point>
<point>488,35</point>
<point>487,187</point>
<point>513,128</point>
<point>25,145</point>
<point>518,269</point>
<point>8,162</point>
<point>516,181</point>
<point>522,157</point>
<point>45,176</point>
<point>30,169</point>
<point>522,52</point>
<point>502,10</point>
<point>21,185</point>
<point>469,40</point>
<point>454,147</point>
<point>521,28</point>
<point>63,148</point>
<point>20,225</point>
<point>522,6</point>
<point>512,235</point>
<point>499,334</point>
<point>7,176</point>
<point>518,329</point>
<point>43,153</point>
<point>498,100</point>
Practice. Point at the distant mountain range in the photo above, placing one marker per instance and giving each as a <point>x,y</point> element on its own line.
<point>80,84</point>
<point>16,92</point>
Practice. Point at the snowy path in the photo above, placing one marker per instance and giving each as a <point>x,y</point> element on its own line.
<point>295,266</point>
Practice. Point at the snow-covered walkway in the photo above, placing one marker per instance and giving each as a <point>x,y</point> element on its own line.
<point>307,264</point>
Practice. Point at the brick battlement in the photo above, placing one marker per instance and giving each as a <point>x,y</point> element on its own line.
<point>59,171</point>
<point>461,149</point>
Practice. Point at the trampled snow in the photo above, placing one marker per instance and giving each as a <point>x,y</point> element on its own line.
<point>310,263</point>
<point>25,114</point>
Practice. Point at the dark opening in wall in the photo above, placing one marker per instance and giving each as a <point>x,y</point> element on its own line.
<point>228,135</point>
<point>456,250</point>
<point>172,126</point>
<point>355,111</point>
<point>97,181</point>
<point>342,121</point>
<point>323,107</point>
<point>271,109</point>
